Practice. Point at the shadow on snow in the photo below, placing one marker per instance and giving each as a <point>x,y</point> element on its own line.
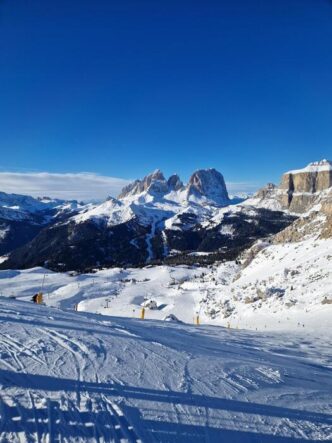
<point>89,423</point>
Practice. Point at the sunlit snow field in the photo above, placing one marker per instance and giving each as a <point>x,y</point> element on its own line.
<point>258,367</point>
<point>222,294</point>
<point>72,376</point>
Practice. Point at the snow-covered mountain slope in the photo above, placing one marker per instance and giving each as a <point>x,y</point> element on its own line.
<point>285,285</point>
<point>24,204</point>
<point>123,290</point>
<point>98,242</point>
<point>155,199</point>
<point>22,217</point>
<point>153,220</point>
<point>273,286</point>
<point>156,219</point>
<point>283,281</point>
<point>111,212</point>
<point>74,377</point>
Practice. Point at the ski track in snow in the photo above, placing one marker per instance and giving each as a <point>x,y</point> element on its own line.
<point>149,237</point>
<point>51,422</point>
<point>67,376</point>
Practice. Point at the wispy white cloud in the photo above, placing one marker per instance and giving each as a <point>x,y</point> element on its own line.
<point>242,187</point>
<point>78,186</point>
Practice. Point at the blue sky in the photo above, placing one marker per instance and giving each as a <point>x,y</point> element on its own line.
<point>120,88</point>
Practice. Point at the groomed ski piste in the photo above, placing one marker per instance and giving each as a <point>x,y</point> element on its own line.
<point>256,369</point>
<point>72,376</point>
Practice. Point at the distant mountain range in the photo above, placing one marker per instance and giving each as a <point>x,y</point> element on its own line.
<point>155,220</point>
<point>23,217</point>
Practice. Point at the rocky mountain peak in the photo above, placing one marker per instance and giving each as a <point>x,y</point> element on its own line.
<point>174,183</point>
<point>156,175</point>
<point>205,186</point>
<point>209,184</point>
<point>155,179</point>
<point>266,191</point>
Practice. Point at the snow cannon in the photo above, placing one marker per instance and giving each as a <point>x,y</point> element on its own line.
<point>38,298</point>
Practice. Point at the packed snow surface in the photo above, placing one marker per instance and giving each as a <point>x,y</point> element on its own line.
<point>72,376</point>
<point>177,375</point>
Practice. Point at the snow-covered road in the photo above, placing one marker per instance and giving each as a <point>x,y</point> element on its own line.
<point>67,376</point>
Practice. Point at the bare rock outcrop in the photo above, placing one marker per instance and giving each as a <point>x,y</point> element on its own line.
<point>267,191</point>
<point>210,184</point>
<point>326,204</point>
<point>300,189</point>
<point>155,178</point>
<point>301,229</point>
<point>326,209</point>
<point>174,183</point>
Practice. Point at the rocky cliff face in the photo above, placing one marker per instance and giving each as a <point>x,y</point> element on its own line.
<point>139,186</point>
<point>268,191</point>
<point>301,189</point>
<point>209,184</point>
<point>327,204</point>
<point>174,183</point>
<point>206,186</point>
<point>317,223</point>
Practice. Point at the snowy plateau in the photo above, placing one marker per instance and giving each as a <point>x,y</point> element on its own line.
<point>235,343</point>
